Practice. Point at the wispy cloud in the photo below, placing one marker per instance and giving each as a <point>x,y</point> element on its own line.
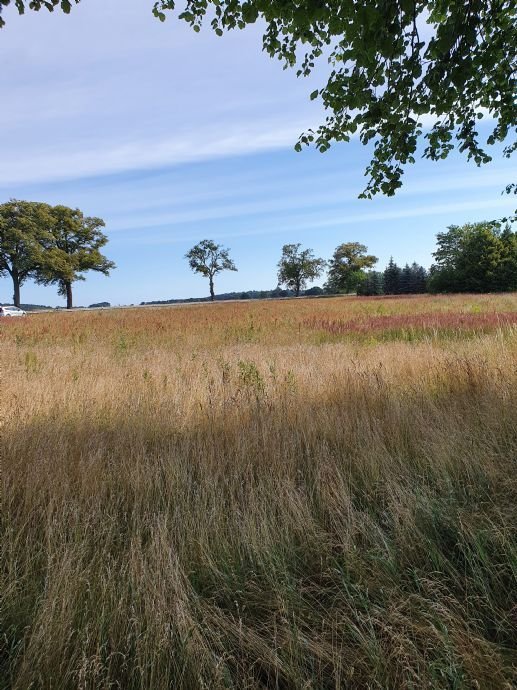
<point>322,221</point>
<point>136,104</point>
<point>277,202</point>
<point>53,165</point>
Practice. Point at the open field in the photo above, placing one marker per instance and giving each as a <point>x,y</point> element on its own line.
<point>305,494</point>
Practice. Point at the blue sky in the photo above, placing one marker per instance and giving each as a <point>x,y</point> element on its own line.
<point>172,137</point>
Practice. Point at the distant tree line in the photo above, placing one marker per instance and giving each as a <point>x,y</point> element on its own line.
<point>57,245</point>
<point>53,245</point>
<point>476,257</point>
<point>275,293</point>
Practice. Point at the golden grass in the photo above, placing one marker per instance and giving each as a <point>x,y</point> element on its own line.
<point>223,496</point>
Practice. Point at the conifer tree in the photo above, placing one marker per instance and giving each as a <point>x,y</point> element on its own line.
<point>391,278</point>
<point>405,280</point>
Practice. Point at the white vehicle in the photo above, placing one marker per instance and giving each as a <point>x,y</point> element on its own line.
<point>11,311</point>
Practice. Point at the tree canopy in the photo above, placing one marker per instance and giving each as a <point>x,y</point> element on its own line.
<point>23,227</point>
<point>398,71</point>
<point>51,244</point>
<point>71,247</point>
<point>347,267</point>
<point>475,257</point>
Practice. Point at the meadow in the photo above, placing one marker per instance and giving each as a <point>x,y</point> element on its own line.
<point>310,494</point>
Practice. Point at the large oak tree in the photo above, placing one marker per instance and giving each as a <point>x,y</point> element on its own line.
<point>399,70</point>
<point>71,248</point>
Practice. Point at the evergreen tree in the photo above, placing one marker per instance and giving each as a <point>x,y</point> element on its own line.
<point>378,283</point>
<point>405,280</point>
<point>372,285</point>
<point>418,283</point>
<point>392,278</point>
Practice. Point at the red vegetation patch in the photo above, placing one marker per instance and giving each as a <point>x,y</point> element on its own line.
<point>449,321</point>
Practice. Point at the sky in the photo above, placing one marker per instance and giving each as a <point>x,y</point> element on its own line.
<point>173,137</point>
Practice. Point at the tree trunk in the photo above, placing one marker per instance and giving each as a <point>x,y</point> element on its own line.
<point>297,289</point>
<point>68,287</point>
<point>212,295</point>
<point>16,289</point>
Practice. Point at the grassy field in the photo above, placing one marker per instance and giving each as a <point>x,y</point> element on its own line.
<point>306,494</point>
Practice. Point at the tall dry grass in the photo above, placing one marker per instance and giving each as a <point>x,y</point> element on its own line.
<point>228,497</point>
